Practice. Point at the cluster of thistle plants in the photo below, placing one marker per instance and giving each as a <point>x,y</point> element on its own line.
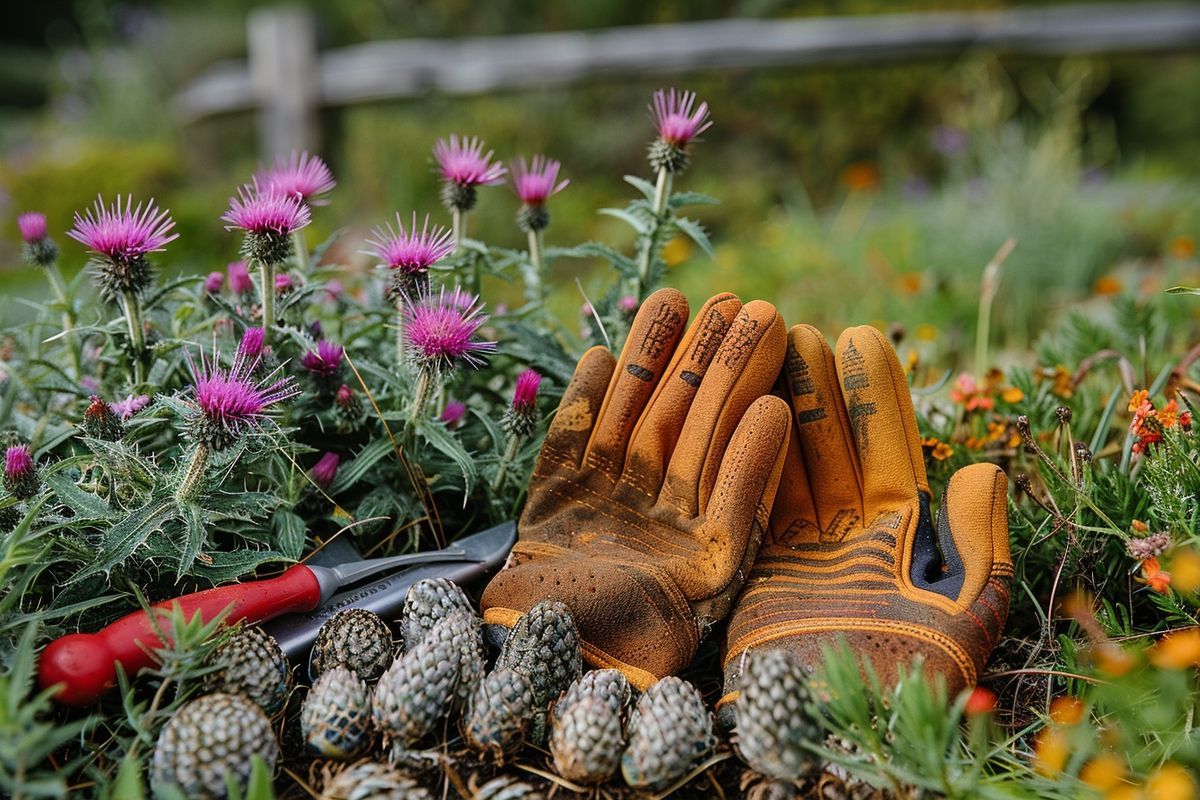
<point>163,435</point>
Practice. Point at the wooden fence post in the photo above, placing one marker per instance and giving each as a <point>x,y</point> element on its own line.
<point>282,44</point>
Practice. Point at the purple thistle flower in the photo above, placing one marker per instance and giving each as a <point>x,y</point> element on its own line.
<point>123,235</point>
<point>440,329</point>
<point>674,118</point>
<point>628,305</point>
<point>258,209</point>
<point>325,470</point>
<point>406,249</point>
<point>229,403</point>
<point>522,416</point>
<point>20,472</point>
<point>283,283</point>
<point>526,390</point>
<point>301,175</point>
<point>325,361</point>
<point>534,182</point>
<point>454,413</point>
<point>251,346</point>
<point>39,249</point>
<point>214,282</point>
<point>463,161</point>
<point>345,396</point>
<point>33,226</point>
<point>100,421</point>
<point>130,405</point>
<point>269,218</point>
<point>239,277</point>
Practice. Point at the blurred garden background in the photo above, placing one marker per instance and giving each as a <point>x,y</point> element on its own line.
<point>849,193</point>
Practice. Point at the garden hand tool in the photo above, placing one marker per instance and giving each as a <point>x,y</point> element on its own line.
<point>85,663</point>
<point>853,550</point>
<point>653,488</point>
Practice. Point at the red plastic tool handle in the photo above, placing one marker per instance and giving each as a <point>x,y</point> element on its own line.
<point>85,663</point>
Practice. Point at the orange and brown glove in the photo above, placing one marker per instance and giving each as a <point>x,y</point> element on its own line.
<point>852,549</point>
<point>654,486</point>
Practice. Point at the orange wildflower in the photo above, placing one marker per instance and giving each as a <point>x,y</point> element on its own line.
<point>1138,399</point>
<point>1104,772</point>
<point>1107,285</point>
<point>1139,527</point>
<point>861,176</point>
<point>1155,577</point>
<point>937,448</point>
<point>1012,395</point>
<point>1171,781</point>
<point>1050,751</point>
<point>1062,379</point>
<point>1066,710</point>
<point>981,701</point>
<point>1185,570</point>
<point>1176,650</point>
<point>1182,247</point>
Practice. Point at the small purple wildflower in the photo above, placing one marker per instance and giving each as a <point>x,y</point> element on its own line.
<point>251,345</point>
<point>440,329</point>
<point>334,289</point>
<point>628,305</point>
<point>407,249</point>
<point>283,283</point>
<point>239,277</point>
<point>130,405</point>
<point>325,361</point>
<point>301,175</point>
<point>214,282</point>
<point>534,182</point>
<point>949,141</point>
<point>33,226</point>
<point>89,383</point>
<point>344,397</point>
<point>230,403</point>
<point>526,389</point>
<point>463,161</point>
<point>674,118</point>
<point>678,125</point>
<point>20,472</point>
<point>123,235</point>
<point>325,470</point>
<point>454,413</point>
<point>268,218</point>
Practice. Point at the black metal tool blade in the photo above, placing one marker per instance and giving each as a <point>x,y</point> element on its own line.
<point>486,549</point>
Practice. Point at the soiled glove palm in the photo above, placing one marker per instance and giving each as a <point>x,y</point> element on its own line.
<point>852,549</point>
<point>650,496</point>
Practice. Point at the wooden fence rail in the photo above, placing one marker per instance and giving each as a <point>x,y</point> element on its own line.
<point>286,80</point>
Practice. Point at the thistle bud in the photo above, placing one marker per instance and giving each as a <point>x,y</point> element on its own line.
<point>39,250</point>
<point>325,470</point>
<point>251,346</point>
<point>214,282</point>
<point>522,416</point>
<point>20,472</point>
<point>239,278</point>
<point>101,422</point>
<point>453,414</point>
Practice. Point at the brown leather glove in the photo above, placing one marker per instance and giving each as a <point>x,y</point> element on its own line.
<point>852,549</point>
<point>654,486</point>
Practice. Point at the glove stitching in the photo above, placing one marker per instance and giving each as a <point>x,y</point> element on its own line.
<point>605,513</point>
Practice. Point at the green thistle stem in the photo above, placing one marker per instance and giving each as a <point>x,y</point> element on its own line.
<point>266,276</point>
<point>133,316</point>
<point>193,474</point>
<point>510,455</point>
<point>400,332</point>
<point>458,224</point>
<point>662,192</point>
<point>534,289</point>
<point>421,398</point>
<point>301,248</point>
<point>60,292</point>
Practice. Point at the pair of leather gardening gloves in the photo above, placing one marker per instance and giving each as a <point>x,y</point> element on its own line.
<point>675,490</point>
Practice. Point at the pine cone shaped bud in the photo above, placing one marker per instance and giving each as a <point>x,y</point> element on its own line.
<point>427,603</point>
<point>670,732</point>
<point>373,780</point>
<point>420,688</point>
<point>544,644</point>
<point>252,664</point>
<point>336,717</point>
<point>669,156</point>
<point>207,740</point>
<point>40,253</point>
<point>532,219</point>
<point>506,787</point>
<point>116,278</point>
<point>266,247</point>
<point>354,638</point>
<point>458,196</point>
<point>499,713</point>
<point>772,722</point>
<point>586,740</point>
<point>608,685</point>
<point>466,630</point>
<point>99,421</point>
